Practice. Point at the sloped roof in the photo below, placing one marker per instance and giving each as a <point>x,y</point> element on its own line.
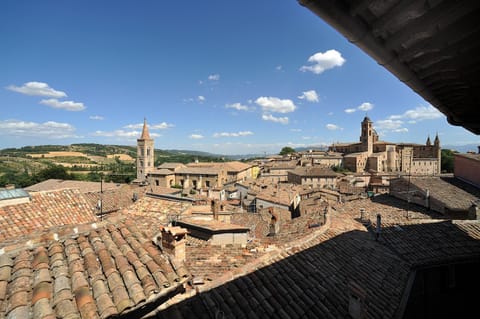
<point>83,186</point>
<point>433,242</point>
<point>315,172</point>
<point>114,199</point>
<point>199,170</point>
<point>452,196</point>
<point>236,166</point>
<point>170,166</point>
<point>13,193</point>
<point>475,157</point>
<point>312,281</point>
<point>46,209</point>
<point>105,270</point>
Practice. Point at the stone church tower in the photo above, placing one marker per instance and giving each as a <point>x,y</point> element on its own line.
<point>367,137</point>
<point>145,154</point>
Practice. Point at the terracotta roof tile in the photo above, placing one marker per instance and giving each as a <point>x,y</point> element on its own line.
<point>46,209</point>
<point>91,273</point>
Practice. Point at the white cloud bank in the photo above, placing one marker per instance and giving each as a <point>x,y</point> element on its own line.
<point>395,123</point>
<point>271,118</point>
<point>323,61</point>
<point>310,96</point>
<point>274,104</point>
<point>159,126</point>
<point>46,130</point>
<point>64,105</point>
<point>122,134</point>
<point>37,89</point>
<point>196,136</point>
<point>419,114</point>
<point>333,127</point>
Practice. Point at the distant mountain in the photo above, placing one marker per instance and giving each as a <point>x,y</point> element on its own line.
<point>462,148</point>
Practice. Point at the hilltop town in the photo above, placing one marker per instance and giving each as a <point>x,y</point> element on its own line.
<point>368,229</point>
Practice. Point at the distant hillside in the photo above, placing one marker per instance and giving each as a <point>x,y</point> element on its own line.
<point>27,165</point>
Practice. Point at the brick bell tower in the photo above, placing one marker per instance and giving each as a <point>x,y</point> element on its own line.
<point>145,154</point>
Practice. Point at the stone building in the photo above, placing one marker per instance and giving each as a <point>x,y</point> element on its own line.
<point>381,156</point>
<point>314,176</point>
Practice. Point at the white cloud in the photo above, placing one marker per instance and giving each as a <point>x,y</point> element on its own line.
<point>159,126</point>
<point>238,134</point>
<point>47,130</point>
<point>323,61</point>
<point>310,96</point>
<point>274,104</point>
<point>333,127</point>
<point>365,106</point>
<point>238,107</point>
<point>196,136</point>
<point>295,130</point>
<point>278,68</point>
<point>269,117</point>
<point>201,98</point>
<point>419,113</point>
<point>214,77</point>
<point>64,105</point>
<point>122,134</point>
<point>389,125</point>
<point>401,130</point>
<point>37,89</point>
<point>96,117</point>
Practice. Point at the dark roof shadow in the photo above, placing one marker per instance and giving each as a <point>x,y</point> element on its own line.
<point>322,281</point>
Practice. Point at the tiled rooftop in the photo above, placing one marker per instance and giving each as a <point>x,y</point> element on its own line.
<point>315,172</point>
<point>102,271</point>
<point>450,195</point>
<point>114,199</point>
<point>46,209</point>
<point>312,280</point>
<point>434,242</point>
<point>156,207</point>
<point>312,275</point>
<point>84,187</point>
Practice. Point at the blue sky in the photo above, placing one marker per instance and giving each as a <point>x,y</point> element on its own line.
<point>228,77</point>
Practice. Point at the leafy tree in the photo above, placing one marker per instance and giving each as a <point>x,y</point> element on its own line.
<point>447,161</point>
<point>55,172</point>
<point>287,150</point>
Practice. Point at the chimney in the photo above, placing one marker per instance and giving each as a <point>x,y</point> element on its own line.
<point>215,208</point>
<point>474,211</point>
<point>172,241</point>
